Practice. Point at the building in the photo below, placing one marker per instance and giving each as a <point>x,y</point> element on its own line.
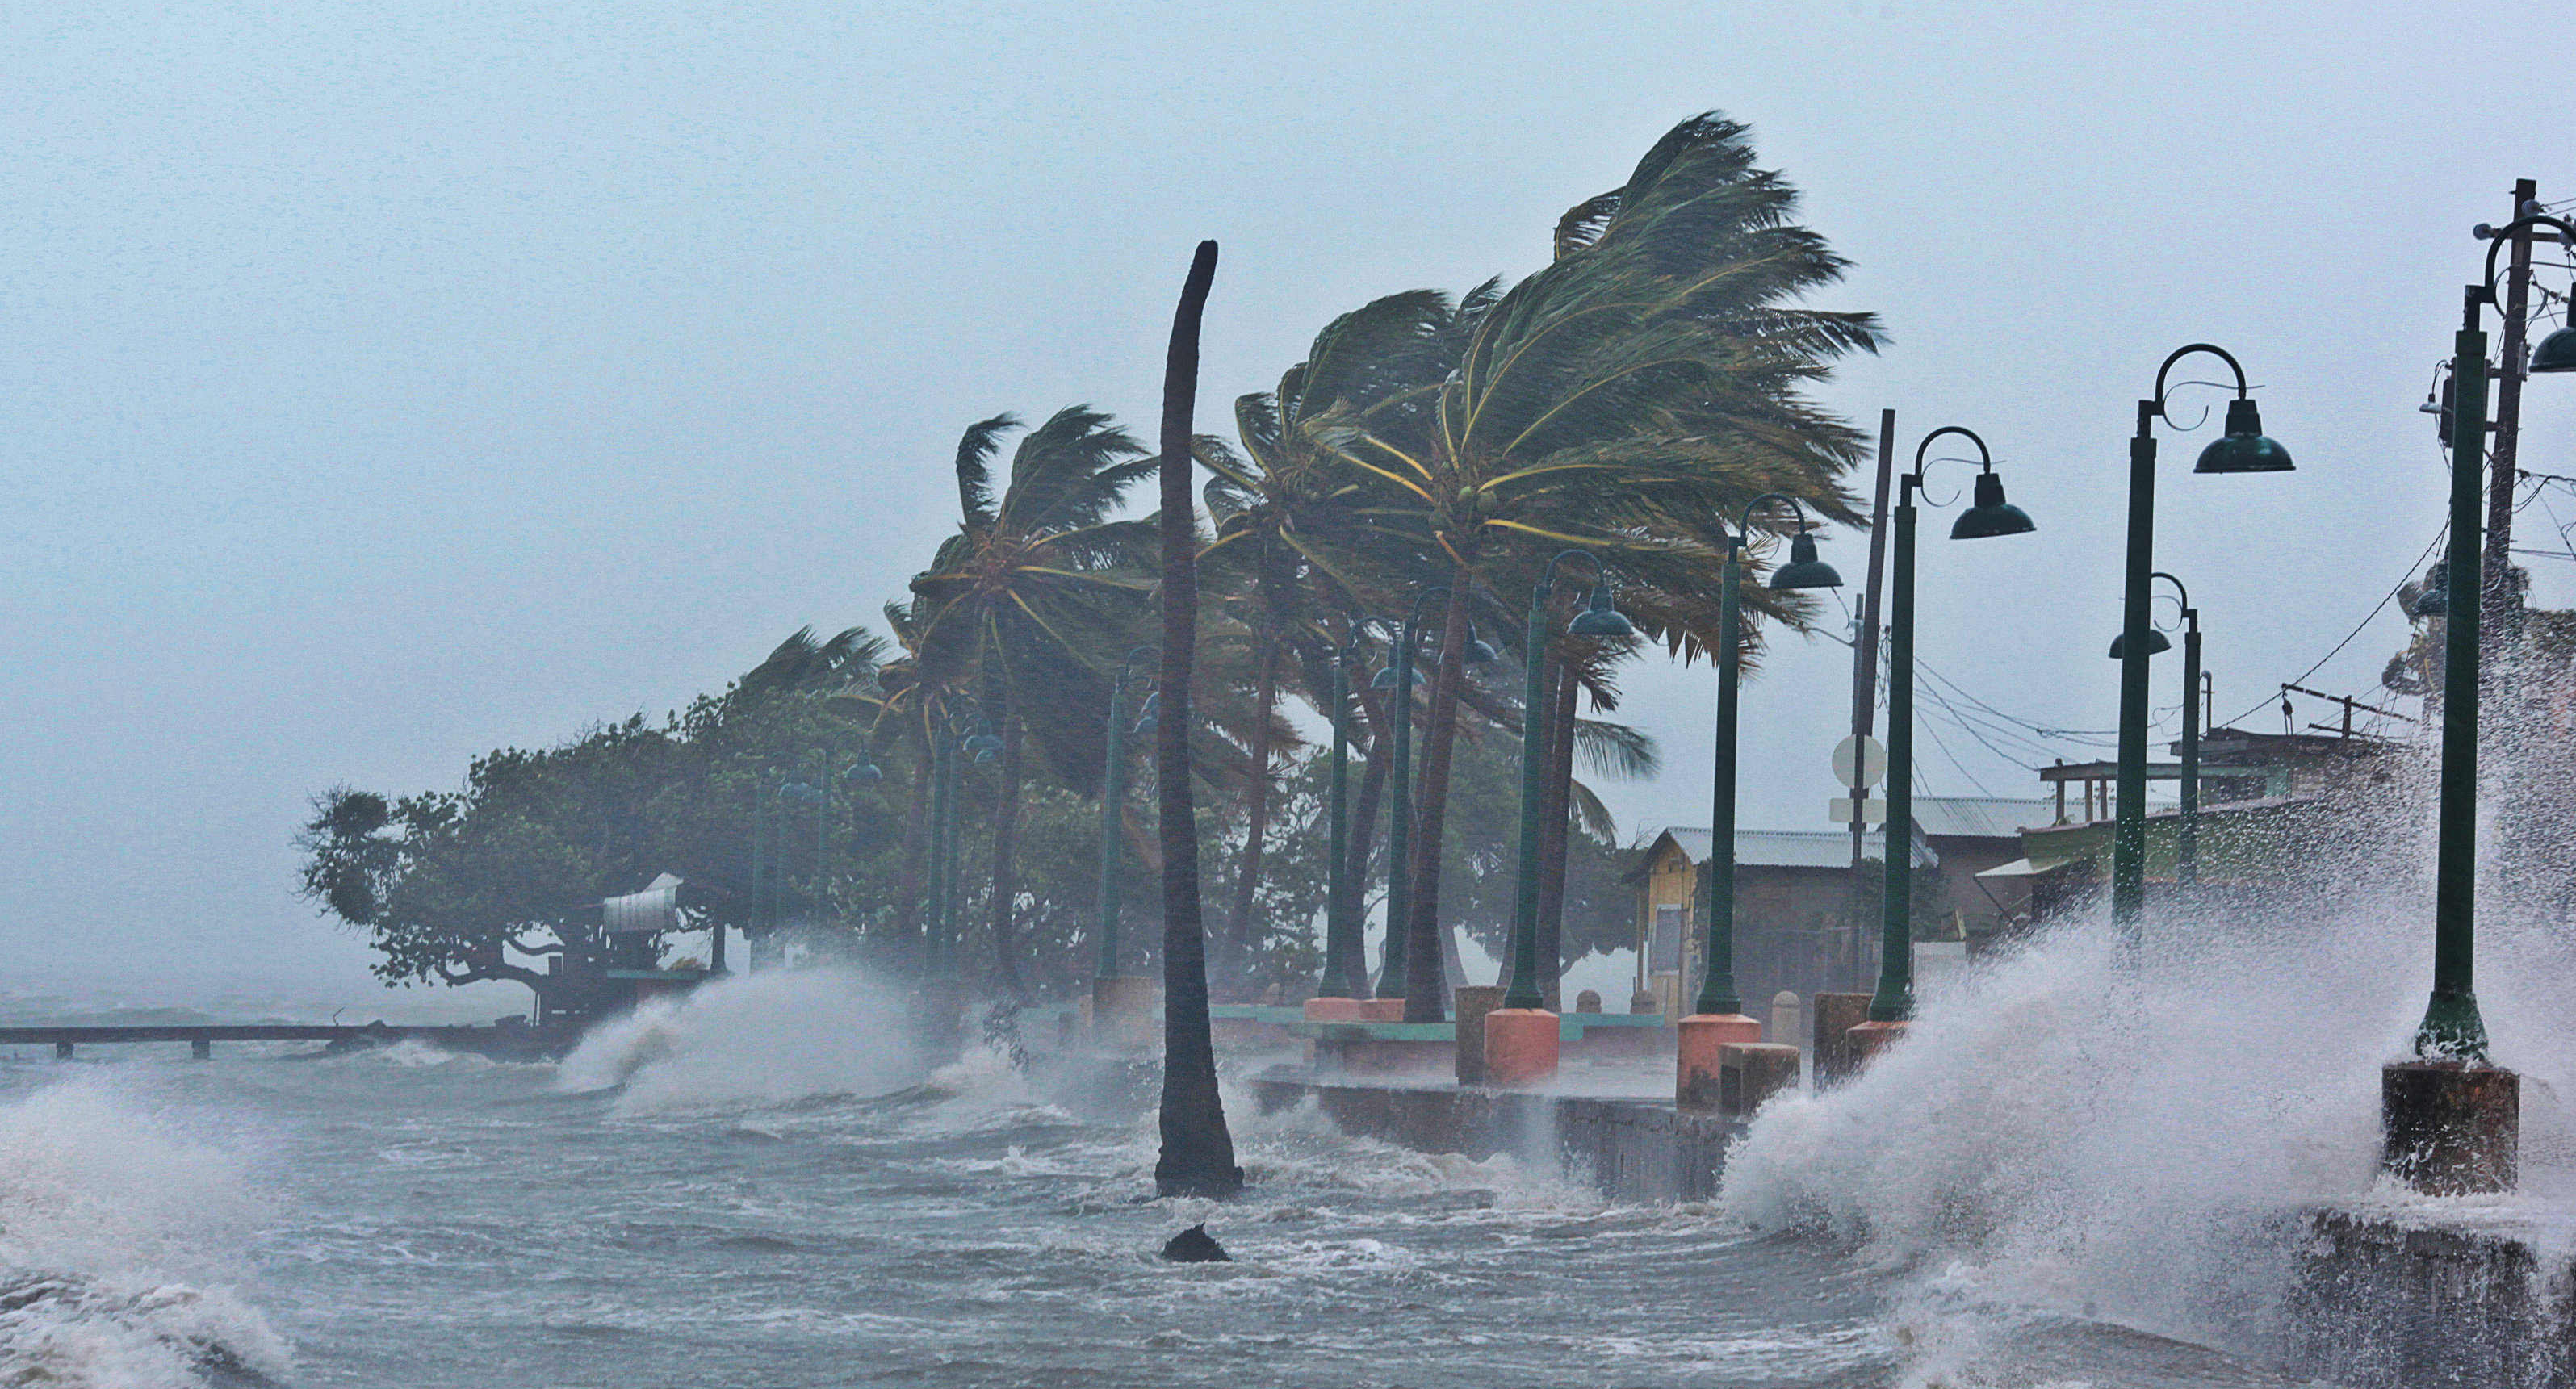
<point>1795,906</point>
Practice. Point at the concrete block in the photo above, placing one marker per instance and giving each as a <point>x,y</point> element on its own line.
<point>1381,1010</point>
<point>1869,1039</point>
<point>1835,1015</point>
<point>1750,1073</point>
<point>1520,1046</point>
<point>1328,1009</point>
<point>2450,1128</point>
<point>1703,1036</point>
<point>1470,1004</point>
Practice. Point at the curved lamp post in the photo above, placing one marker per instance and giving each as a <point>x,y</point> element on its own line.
<point>1345,951</point>
<point>1988,515</point>
<point>2451,1122</point>
<point>2187,829</point>
<point>2243,448</point>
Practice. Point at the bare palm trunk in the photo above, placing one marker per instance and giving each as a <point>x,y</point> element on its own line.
<point>1197,1157</point>
<point>1425,972</point>
<point>916,851</point>
<point>1555,800</point>
<point>1003,909</point>
<point>1240,927</point>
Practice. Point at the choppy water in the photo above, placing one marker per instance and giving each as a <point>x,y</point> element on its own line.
<point>763,1193</point>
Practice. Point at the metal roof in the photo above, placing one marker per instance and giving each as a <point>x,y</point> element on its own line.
<point>1787,848</point>
<point>1979,817</point>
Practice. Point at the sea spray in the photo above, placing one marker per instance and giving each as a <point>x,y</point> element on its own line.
<point>117,1245</point>
<point>2082,1129</point>
<point>765,1038</point>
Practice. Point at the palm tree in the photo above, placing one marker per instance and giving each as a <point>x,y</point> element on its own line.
<point>1019,605</point>
<point>1197,1157</point>
<point>1297,550</point>
<point>1619,400</point>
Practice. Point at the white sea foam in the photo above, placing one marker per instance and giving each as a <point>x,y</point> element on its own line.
<point>2078,1132</point>
<point>117,1243</point>
<point>756,1039</point>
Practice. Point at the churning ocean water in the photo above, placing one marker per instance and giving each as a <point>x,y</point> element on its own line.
<point>761,1189</point>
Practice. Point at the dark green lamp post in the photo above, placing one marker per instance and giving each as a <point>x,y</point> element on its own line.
<point>1345,951</point>
<point>2187,830</point>
<point>1987,516</point>
<point>1398,679</point>
<point>2242,448</point>
<point>1600,618</point>
<point>1113,803</point>
<point>1717,992</point>
<point>2452,1026</point>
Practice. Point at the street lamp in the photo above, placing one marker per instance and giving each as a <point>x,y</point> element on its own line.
<point>1345,978</point>
<point>2187,830</point>
<point>1717,1018</point>
<point>1521,1036</point>
<point>1987,516</point>
<point>1113,803</point>
<point>2451,1122</point>
<point>2242,448</point>
<point>1398,678</point>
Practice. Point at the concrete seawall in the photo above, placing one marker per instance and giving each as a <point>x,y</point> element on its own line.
<point>1632,1149</point>
<point>2423,1297</point>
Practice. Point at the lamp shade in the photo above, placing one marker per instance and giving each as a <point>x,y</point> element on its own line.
<point>2557,352</point>
<point>1991,515</point>
<point>1383,680</point>
<point>1804,570</point>
<point>2432,602</point>
<point>2157,644</point>
<point>867,771</point>
<point>1601,617</point>
<point>2243,448</point>
<point>983,743</point>
<point>1479,652</point>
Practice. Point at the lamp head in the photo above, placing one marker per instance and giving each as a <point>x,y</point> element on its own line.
<point>983,745</point>
<point>1601,617</point>
<point>1804,570</point>
<point>1383,680</point>
<point>1991,515</point>
<point>2434,601</point>
<point>2556,353</point>
<point>2157,644</point>
<point>1479,652</point>
<point>867,771</point>
<point>2243,448</point>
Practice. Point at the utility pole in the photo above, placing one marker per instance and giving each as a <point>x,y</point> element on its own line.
<point>1865,664</point>
<point>2501,601</point>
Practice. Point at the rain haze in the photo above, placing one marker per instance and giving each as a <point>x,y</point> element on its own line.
<point>393,384</point>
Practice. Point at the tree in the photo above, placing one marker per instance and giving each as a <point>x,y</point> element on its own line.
<point>1197,1157</point>
<point>1022,605</point>
<point>1647,382</point>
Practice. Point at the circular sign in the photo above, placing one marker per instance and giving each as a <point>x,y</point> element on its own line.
<point>1859,760</point>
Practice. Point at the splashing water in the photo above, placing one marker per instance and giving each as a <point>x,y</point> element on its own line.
<point>117,1243</point>
<point>752,1039</point>
<point>2080,1131</point>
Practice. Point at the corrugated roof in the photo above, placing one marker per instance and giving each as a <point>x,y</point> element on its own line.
<point>1783,848</point>
<point>1980,817</point>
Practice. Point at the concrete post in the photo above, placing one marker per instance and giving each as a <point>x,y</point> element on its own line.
<point>1588,1001</point>
<point>202,1049</point>
<point>1788,1020</point>
<point>1471,1002</point>
<point>2451,1128</point>
<point>1122,1012</point>
<point>1705,1038</point>
<point>1750,1073</point>
<point>1521,1046</point>
<point>1865,1042</point>
<point>62,1051</point>
<point>1835,1015</point>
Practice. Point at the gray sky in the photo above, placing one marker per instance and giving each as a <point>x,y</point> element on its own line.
<point>394,382</point>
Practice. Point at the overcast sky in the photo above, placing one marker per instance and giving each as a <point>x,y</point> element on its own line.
<point>388,383</point>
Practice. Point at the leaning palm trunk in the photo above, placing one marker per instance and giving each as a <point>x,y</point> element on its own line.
<point>1241,930</point>
<point>1555,795</point>
<point>1426,971</point>
<point>1003,928</point>
<point>1198,1151</point>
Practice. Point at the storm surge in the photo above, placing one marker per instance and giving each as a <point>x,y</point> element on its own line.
<point>756,1039</point>
<point>2077,1130</point>
<point>118,1247</point>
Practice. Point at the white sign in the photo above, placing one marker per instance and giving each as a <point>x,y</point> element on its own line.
<point>1873,811</point>
<point>1859,760</point>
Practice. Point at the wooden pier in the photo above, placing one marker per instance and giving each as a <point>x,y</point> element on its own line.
<point>502,1041</point>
